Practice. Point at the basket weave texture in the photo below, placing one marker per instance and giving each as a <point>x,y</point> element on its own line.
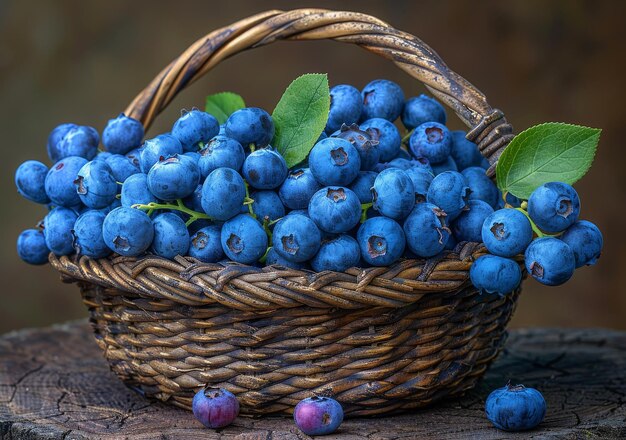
<point>379,340</point>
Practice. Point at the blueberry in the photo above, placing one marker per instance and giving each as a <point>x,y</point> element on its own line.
<point>273,258</point>
<point>468,226</point>
<point>58,226</point>
<point>221,152</point>
<point>494,274</point>
<point>420,109</point>
<point>54,138</point>
<point>381,241</point>
<point>32,248</point>
<point>464,152</point>
<point>586,242</point>
<point>122,167</point>
<point>250,126</point>
<point>345,107</point>
<point>506,232</point>
<point>450,192</point>
<point>205,244</point>
<point>393,194</point>
<point>481,186</point>
<point>364,143</point>
<point>298,188</point>
<point>59,181</point>
<point>421,179</point>
<point>337,253</point>
<point>267,206</point>
<point>303,212</point>
<point>554,206</point>
<point>96,185</point>
<point>335,209</point>
<point>195,127</point>
<point>318,415</point>
<point>432,141</point>
<point>135,191</point>
<point>265,169</point>
<point>162,146</point>
<point>223,194</point>
<point>30,179</point>
<point>446,165</point>
<point>334,161</point>
<point>174,178</point>
<point>122,134</point>
<point>243,239</point>
<point>386,134</point>
<point>382,99</point>
<point>215,408</point>
<point>296,238</point>
<point>426,230</point>
<point>127,231</point>
<point>79,141</point>
<point>362,186</point>
<point>194,200</point>
<point>87,232</point>
<point>515,408</point>
<point>171,237</point>
<point>550,261</point>
<point>102,155</point>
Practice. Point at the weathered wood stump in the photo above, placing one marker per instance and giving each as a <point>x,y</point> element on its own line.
<point>54,384</point>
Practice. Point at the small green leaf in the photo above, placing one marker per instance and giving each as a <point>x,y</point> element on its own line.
<point>300,116</point>
<point>546,153</point>
<point>222,105</point>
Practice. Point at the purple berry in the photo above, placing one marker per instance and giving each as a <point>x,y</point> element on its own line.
<point>318,415</point>
<point>215,408</point>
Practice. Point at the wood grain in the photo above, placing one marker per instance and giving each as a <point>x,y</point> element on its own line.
<point>55,385</point>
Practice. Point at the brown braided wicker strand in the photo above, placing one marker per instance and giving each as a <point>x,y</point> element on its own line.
<point>378,340</point>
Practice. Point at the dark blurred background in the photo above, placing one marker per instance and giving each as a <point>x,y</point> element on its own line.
<point>539,61</point>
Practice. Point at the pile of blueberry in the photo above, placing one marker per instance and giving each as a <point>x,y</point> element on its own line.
<point>365,196</point>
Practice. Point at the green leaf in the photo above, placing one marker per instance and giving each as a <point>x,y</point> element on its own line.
<point>300,116</point>
<point>222,105</point>
<point>546,153</point>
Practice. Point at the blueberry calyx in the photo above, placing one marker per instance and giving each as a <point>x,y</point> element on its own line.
<point>536,269</point>
<point>434,135</point>
<point>234,243</point>
<point>376,246</point>
<point>498,231</point>
<point>564,207</point>
<point>121,243</point>
<point>80,185</point>
<point>290,245</point>
<point>336,194</point>
<point>200,240</point>
<point>339,156</point>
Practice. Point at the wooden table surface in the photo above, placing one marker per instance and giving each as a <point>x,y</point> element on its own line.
<point>54,384</point>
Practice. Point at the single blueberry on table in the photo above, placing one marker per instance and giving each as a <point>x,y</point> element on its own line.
<point>267,206</point>
<point>364,143</point>
<point>171,237</point>
<point>54,138</point>
<point>585,240</point>
<point>432,141</point>
<point>250,125</point>
<point>58,225</point>
<point>554,206</point>
<point>334,161</point>
<point>162,146</point>
<point>215,408</point>
<point>88,239</point>
<point>481,186</point>
<point>273,258</point>
<point>174,178</point>
<point>421,109</point>
<point>450,192</point>
<point>296,238</point>
<point>223,194</point>
<point>122,167</point>
<point>421,178</point>
<point>265,169</point>
<point>337,254</point>
<point>464,152</point>
<point>205,244</point>
<point>446,165</point>
<point>387,135</point>
<point>345,107</point>
<point>59,181</point>
<point>135,191</point>
<point>32,248</point>
<point>393,193</point>
<point>30,180</point>
<point>195,127</point>
<point>221,152</point>
<point>122,134</point>
<point>426,230</point>
<point>382,99</point>
<point>515,408</point>
<point>298,188</point>
<point>243,239</point>
<point>362,185</point>
<point>469,225</point>
<point>318,415</point>
<point>335,209</point>
<point>507,232</point>
<point>96,185</point>
<point>128,231</point>
<point>381,241</point>
<point>493,274</point>
<point>550,261</point>
<point>79,141</point>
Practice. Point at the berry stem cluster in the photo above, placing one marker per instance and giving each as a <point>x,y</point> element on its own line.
<point>179,206</point>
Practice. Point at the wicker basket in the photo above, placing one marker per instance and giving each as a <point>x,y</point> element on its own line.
<point>378,340</point>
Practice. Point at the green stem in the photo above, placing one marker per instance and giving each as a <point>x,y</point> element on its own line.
<point>364,208</point>
<point>263,259</point>
<point>252,148</point>
<point>248,201</point>
<point>536,230</point>
<point>407,136</point>
<point>179,206</point>
<point>266,228</point>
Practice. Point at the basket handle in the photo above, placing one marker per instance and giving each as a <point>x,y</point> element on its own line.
<point>488,126</point>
